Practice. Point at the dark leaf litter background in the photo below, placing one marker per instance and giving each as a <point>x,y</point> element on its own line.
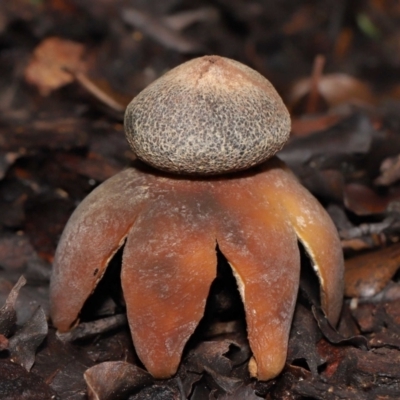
<point>68,69</point>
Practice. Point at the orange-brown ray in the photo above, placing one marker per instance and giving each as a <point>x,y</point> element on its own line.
<point>314,229</point>
<point>169,263</point>
<point>262,249</point>
<point>95,231</point>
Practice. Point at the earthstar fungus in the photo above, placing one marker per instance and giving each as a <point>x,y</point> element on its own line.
<point>209,129</point>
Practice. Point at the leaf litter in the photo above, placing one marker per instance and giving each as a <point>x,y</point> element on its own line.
<point>57,144</point>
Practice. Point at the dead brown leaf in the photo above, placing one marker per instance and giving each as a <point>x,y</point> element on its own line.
<point>363,200</point>
<point>18,384</point>
<point>49,62</point>
<point>336,89</point>
<point>24,343</point>
<point>303,338</point>
<point>305,126</point>
<point>367,274</point>
<point>8,316</point>
<point>115,380</point>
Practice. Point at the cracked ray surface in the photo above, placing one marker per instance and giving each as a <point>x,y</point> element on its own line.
<point>169,263</point>
<point>261,247</point>
<point>172,225</point>
<point>93,234</point>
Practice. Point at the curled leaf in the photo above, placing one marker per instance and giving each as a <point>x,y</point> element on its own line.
<point>367,274</point>
<point>115,380</point>
<point>24,343</point>
<point>8,315</point>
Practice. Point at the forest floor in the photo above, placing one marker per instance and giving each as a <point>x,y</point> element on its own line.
<point>68,68</point>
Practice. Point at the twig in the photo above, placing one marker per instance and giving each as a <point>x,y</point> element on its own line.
<point>314,95</point>
<point>154,28</point>
<point>184,19</point>
<point>366,229</point>
<point>98,93</point>
<point>89,329</point>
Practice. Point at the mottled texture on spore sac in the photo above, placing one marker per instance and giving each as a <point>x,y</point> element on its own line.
<point>210,115</point>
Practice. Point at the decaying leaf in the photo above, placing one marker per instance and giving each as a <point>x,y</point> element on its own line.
<point>306,126</point>
<point>17,383</point>
<point>333,336</point>
<point>303,338</point>
<point>336,89</point>
<point>359,367</point>
<point>242,393</point>
<point>50,60</point>
<point>62,366</point>
<point>158,391</point>
<point>8,315</point>
<point>367,274</point>
<point>61,146</point>
<point>363,200</point>
<point>24,343</point>
<point>352,135</point>
<point>115,380</point>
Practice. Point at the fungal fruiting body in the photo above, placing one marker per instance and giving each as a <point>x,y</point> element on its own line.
<point>208,116</point>
<point>170,226</point>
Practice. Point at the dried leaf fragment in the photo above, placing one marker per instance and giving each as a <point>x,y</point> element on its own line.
<point>17,383</point>
<point>336,89</point>
<point>363,200</point>
<point>115,380</point>
<point>49,62</point>
<point>24,343</point>
<point>367,274</point>
<point>8,315</point>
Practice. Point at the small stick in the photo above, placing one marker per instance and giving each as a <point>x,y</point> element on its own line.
<point>366,229</point>
<point>98,93</point>
<point>314,95</point>
<point>88,329</point>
